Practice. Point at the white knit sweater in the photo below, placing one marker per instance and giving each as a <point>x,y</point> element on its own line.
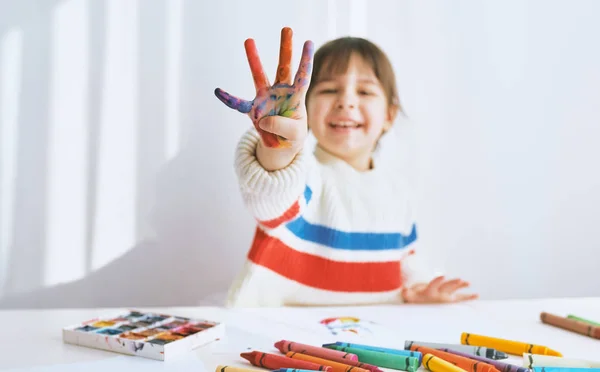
<point>326,235</point>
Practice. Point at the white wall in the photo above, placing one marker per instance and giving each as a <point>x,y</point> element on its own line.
<point>116,178</point>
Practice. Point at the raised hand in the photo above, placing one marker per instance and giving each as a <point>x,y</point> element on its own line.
<point>438,291</point>
<point>283,98</point>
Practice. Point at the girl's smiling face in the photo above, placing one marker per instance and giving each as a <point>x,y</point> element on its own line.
<point>349,112</point>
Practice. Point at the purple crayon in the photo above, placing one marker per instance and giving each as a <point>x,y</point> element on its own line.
<point>502,367</point>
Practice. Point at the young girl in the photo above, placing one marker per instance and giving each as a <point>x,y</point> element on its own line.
<point>335,227</point>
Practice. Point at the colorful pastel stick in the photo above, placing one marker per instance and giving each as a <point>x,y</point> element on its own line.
<point>571,316</point>
<point>285,346</point>
<point>508,346</point>
<point>535,360</point>
<point>467,364</point>
<point>475,350</point>
<point>414,354</point>
<point>564,369</point>
<point>291,370</point>
<point>274,361</point>
<point>354,363</point>
<point>500,366</point>
<point>576,326</point>
<point>435,364</point>
<point>335,366</point>
<point>380,359</point>
<point>223,368</point>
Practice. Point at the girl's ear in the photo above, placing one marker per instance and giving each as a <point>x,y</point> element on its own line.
<point>391,117</point>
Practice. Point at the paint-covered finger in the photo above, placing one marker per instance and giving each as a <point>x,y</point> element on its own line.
<point>258,74</point>
<point>233,102</point>
<point>284,74</point>
<point>302,79</point>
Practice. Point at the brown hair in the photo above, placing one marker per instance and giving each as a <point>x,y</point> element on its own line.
<point>333,58</point>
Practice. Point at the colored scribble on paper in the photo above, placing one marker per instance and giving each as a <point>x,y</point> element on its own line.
<point>347,324</point>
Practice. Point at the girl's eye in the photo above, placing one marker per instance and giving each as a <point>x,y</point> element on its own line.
<point>364,92</point>
<point>328,91</point>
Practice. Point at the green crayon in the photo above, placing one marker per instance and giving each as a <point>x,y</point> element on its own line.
<point>570,316</point>
<point>381,359</point>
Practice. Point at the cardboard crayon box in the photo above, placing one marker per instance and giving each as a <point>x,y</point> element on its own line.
<point>149,335</point>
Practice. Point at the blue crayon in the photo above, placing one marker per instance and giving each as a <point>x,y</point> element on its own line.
<point>414,354</point>
<point>564,369</point>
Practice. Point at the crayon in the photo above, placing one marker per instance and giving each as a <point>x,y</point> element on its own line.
<point>285,346</point>
<point>291,370</point>
<point>576,326</point>
<point>355,363</point>
<point>564,369</point>
<point>500,366</point>
<point>414,354</point>
<point>223,368</point>
<point>335,366</point>
<point>467,364</point>
<point>380,359</point>
<point>475,350</point>
<point>274,361</point>
<point>435,364</point>
<point>508,346</point>
<point>571,316</point>
<point>535,360</point>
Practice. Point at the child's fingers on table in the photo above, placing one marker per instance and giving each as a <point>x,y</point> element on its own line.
<point>303,76</point>
<point>284,75</point>
<point>233,102</point>
<point>434,286</point>
<point>453,285</point>
<point>258,74</point>
<point>465,297</point>
<point>281,126</point>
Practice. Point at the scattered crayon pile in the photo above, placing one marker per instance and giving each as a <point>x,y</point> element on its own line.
<point>475,353</point>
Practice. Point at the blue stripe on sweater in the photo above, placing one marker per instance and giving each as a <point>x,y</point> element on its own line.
<point>349,240</point>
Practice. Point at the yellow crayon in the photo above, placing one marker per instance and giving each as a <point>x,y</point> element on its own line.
<point>435,364</point>
<point>507,346</point>
<point>222,368</point>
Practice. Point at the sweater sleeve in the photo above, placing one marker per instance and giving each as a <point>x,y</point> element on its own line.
<point>273,197</point>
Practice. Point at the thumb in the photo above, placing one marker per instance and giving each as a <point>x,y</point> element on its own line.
<point>282,126</point>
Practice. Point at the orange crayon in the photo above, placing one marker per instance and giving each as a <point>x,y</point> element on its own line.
<point>469,365</point>
<point>274,361</point>
<point>508,346</point>
<point>335,366</point>
<point>435,364</point>
<point>285,346</point>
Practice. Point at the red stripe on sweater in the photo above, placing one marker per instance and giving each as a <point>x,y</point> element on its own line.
<point>285,217</point>
<point>319,272</point>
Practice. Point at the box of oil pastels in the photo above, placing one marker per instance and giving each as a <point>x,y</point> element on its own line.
<point>149,335</point>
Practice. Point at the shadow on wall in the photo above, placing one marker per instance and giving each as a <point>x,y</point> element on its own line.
<point>154,272</point>
<point>183,264</point>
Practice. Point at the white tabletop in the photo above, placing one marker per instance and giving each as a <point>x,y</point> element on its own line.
<point>33,340</point>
